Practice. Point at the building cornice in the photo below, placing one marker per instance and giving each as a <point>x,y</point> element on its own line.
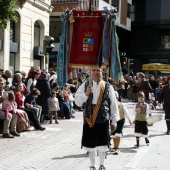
<point>41,4</point>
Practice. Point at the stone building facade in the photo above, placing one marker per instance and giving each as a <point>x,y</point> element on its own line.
<point>21,43</point>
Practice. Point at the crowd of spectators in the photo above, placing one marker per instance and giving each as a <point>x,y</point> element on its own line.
<point>38,98</point>
<point>134,83</point>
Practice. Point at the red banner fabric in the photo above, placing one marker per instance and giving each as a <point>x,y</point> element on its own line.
<point>86,40</point>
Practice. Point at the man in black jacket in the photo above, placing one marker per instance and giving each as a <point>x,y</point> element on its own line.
<point>165,98</point>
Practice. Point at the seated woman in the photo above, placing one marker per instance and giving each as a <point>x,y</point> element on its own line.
<point>18,79</point>
<point>9,106</point>
<point>20,98</point>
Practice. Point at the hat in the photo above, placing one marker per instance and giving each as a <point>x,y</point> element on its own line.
<point>140,94</point>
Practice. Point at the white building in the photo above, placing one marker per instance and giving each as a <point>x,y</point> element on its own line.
<point>21,43</point>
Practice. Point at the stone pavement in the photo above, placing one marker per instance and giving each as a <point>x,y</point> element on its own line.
<point>59,148</point>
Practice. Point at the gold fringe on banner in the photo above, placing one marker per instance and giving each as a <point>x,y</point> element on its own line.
<point>82,66</point>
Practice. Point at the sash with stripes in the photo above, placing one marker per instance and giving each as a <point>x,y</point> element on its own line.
<point>92,119</point>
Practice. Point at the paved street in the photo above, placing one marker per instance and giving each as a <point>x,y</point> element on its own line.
<point>59,148</point>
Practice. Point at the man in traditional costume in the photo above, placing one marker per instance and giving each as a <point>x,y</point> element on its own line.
<point>165,98</point>
<point>101,112</point>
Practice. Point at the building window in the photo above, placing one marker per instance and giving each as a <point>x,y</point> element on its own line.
<point>55,29</point>
<point>129,10</point>
<point>36,34</point>
<point>12,31</point>
<point>12,61</point>
<point>115,3</point>
<point>165,41</point>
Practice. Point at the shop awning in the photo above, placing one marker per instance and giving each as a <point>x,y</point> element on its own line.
<point>156,67</point>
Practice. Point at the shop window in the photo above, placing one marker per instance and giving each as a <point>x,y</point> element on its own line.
<point>165,41</point>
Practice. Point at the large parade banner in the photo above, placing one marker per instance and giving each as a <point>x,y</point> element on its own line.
<point>62,54</point>
<point>86,39</point>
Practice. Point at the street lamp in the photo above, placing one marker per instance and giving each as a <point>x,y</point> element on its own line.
<point>47,48</point>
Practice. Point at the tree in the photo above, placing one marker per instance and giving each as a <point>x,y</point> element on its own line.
<point>7,12</point>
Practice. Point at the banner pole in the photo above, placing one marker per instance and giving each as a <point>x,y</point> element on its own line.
<point>90,76</point>
<point>89,7</point>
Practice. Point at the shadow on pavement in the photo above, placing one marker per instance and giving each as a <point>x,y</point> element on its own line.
<point>70,156</point>
<point>154,135</point>
<point>128,150</point>
<point>129,126</point>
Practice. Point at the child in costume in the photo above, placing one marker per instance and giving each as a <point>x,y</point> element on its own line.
<point>117,134</point>
<point>54,107</point>
<point>141,111</point>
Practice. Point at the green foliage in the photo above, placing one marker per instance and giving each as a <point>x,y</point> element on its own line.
<point>7,12</point>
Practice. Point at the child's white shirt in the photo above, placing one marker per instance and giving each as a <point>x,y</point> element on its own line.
<point>54,104</point>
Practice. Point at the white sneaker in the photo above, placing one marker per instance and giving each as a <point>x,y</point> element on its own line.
<point>116,151</point>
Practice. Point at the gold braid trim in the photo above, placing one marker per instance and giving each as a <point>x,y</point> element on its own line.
<point>92,119</point>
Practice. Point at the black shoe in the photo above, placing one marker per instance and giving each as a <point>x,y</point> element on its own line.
<point>15,134</point>
<point>7,135</point>
<point>136,146</point>
<point>147,141</point>
<point>40,128</point>
<point>102,167</point>
<point>168,132</point>
<point>92,168</point>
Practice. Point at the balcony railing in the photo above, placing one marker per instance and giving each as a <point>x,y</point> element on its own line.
<point>82,4</point>
<point>63,1</point>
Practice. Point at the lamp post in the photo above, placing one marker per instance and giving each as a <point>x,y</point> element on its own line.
<point>129,63</point>
<point>47,48</point>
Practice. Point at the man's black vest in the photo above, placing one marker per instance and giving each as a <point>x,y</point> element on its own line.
<point>103,115</point>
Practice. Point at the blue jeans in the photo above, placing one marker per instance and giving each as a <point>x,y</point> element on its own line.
<point>68,104</point>
<point>61,103</point>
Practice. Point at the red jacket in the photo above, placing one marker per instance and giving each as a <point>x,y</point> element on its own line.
<point>19,98</point>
